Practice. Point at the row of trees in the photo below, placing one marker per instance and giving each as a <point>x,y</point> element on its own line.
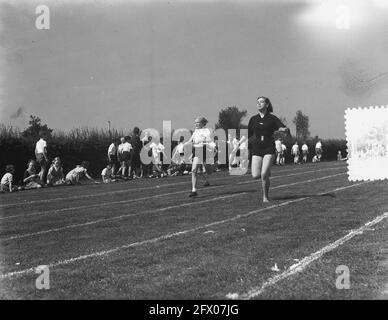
<point>231,117</point>
<point>228,118</point>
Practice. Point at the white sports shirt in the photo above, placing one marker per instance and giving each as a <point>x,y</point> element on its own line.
<point>40,145</point>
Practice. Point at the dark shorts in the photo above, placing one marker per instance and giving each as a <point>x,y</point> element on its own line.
<point>135,160</point>
<point>261,151</point>
<point>112,159</point>
<point>126,156</point>
<point>318,151</point>
<point>40,159</point>
<point>199,152</point>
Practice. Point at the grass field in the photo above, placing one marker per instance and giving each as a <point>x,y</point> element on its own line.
<point>146,239</point>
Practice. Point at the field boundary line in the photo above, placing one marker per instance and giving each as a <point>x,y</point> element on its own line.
<point>301,265</point>
<point>10,205</point>
<point>171,235</point>
<point>89,206</point>
<point>78,225</point>
<point>71,226</point>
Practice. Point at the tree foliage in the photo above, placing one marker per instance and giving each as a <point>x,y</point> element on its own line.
<point>35,128</point>
<point>230,118</point>
<point>301,123</point>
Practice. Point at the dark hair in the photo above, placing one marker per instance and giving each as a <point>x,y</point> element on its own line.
<point>268,102</point>
<point>127,138</point>
<point>33,162</point>
<point>136,130</point>
<point>85,164</point>
<point>181,139</point>
<point>9,168</point>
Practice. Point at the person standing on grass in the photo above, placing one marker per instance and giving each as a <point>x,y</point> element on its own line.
<point>135,153</point>
<point>278,148</point>
<point>126,157</point>
<point>120,157</point>
<point>41,155</point>
<point>305,152</point>
<point>318,150</point>
<point>243,147</point>
<point>112,154</point>
<point>200,141</point>
<point>295,152</point>
<point>261,128</point>
<point>157,149</point>
<point>283,156</point>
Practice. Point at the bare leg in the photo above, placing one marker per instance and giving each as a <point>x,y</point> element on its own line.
<point>265,174</point>
<point>194,170</point>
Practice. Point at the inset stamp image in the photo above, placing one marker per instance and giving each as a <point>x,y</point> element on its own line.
<point>367,142</point>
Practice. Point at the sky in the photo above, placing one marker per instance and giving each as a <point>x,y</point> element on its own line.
<point>142,62</point>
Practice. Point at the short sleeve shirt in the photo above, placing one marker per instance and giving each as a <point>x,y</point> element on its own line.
<point>200,136</point>
<point>40,145</point>
<point>295,149</point>
<point>6,179</point>
<point>106,172</point>
<point>126,147</point>
<point>112,149</point>
<point>78,171</point>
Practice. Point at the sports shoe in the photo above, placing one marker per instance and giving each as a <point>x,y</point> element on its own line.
<point>193,194</point>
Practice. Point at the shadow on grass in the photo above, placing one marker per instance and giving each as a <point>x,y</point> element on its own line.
<point>291,197</point>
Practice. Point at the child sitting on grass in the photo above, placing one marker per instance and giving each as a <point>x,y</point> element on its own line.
<point>107,173</point>
<point>78,173</point>
<point>31,179</point>
<point>6,180</point>
<point>55,175</point>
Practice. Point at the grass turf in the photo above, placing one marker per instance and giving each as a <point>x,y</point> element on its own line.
<point>208,262</point>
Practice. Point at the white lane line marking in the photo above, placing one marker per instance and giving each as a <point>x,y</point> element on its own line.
<point>71,226</point>
<point>150,211</point>
<point>141,188</point>
<point>170,235</point>
<point>300,266</point>
<point>89,206</point>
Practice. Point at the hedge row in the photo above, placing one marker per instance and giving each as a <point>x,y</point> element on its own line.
<point>18,151</point>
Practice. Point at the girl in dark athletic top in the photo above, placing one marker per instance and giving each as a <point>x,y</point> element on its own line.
<point>261,128</point>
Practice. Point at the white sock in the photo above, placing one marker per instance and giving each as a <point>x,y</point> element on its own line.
<point>194,190</point>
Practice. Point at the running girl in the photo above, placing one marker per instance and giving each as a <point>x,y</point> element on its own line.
<point>200,139</point>
<point>261,128</point>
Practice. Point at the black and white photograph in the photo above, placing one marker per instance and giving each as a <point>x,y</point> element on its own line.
<point>193,150</point>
